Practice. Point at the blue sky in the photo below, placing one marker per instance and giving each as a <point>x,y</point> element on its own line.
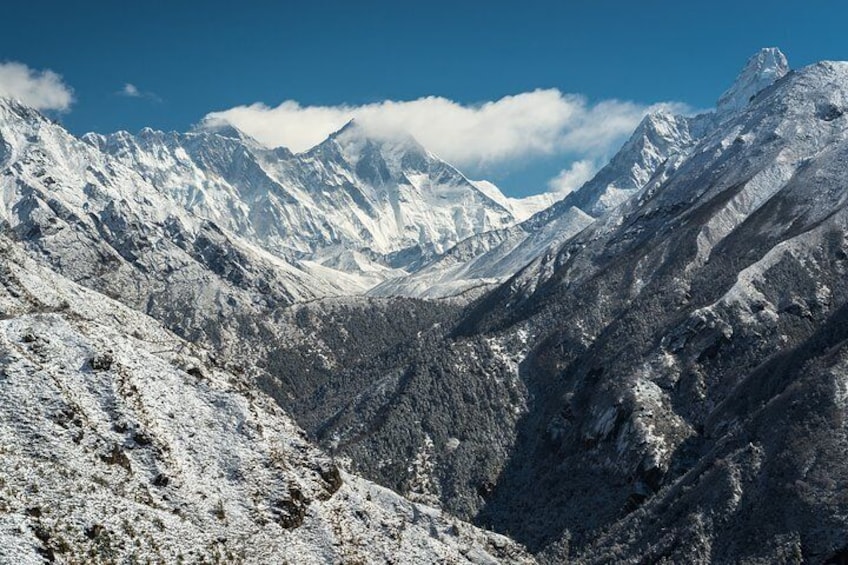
<point>187,59</point>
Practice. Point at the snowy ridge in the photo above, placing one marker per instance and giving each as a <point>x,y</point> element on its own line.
<point>360,212</point>
<point>493,257</point>
<point>521,208</point>
<point>750,159</point>
<point>658,145</point>
<point>80,206</point>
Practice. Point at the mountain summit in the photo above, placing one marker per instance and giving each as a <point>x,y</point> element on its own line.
<point>761,71</point>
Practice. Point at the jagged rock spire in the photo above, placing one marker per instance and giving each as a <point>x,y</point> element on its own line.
<point>761,71</point>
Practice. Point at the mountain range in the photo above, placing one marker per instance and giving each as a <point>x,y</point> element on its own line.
<point>218,350</point>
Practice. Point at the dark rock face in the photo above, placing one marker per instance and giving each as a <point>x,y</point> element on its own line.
<point>290,511</point>
<point>329,473</point>
<point>101,361</point>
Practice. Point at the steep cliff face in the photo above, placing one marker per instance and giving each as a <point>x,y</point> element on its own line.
<point>761,71</point>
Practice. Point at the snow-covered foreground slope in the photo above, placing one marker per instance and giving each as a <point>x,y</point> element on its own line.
<point>119,442</point>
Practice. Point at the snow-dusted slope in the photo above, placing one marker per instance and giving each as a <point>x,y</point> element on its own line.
<point>696,338</point>
<point>119,442</point>
<point>658,137</point>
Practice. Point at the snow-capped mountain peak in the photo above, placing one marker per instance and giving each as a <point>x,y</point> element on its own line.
<point>226,129</point>
<point>368,151</point>
<point>9,106</point>
<point>761,71</point>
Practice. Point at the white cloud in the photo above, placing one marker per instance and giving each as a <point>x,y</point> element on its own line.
<point>42,90</point>
<point>527,125</point>
<point>130,90</point>
<point>572,178</point>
